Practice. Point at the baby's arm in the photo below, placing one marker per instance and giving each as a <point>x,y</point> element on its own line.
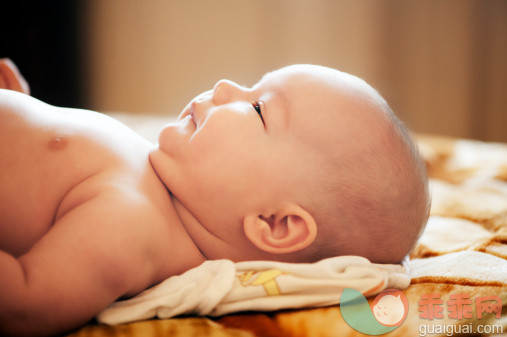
<point>94,254</point>
<point>11,78</point>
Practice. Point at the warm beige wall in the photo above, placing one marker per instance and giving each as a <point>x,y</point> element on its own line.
<point>447,69</point>
<point>441,64</point>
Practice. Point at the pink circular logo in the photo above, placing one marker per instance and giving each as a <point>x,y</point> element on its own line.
<point>390,307</point>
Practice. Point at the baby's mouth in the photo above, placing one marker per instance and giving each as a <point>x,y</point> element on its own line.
<point>192,114</point>
<point>203,95</point>
<point>190,108</point>
<point>188,113</point>
<point>190,122</point>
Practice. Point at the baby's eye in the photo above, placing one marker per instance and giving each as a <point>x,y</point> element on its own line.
<point>257,107</point>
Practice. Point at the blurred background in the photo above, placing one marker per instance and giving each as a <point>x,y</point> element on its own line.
<point>442,65</point>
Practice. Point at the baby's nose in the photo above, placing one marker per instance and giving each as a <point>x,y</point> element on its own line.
<point>226,91</point>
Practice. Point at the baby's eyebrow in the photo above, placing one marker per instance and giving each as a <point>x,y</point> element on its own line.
<point>281,95</point>
<point>284,104</point>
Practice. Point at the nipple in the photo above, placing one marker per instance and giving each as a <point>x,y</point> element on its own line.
<point>57,143</point>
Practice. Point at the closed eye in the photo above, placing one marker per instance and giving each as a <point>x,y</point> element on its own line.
<point>258,108</point>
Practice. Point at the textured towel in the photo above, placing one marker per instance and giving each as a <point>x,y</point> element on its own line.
<point>220,287</point>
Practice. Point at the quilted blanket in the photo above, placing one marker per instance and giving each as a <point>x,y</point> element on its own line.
<point>458,268</point>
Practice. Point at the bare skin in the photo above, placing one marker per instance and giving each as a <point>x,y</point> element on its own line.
<point>84,219</point>
<point>91,212</point>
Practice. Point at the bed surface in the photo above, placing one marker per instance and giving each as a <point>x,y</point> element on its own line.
<point>462,254</point>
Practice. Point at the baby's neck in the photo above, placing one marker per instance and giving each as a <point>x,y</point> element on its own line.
<point>182,253</point>
<point>210,246</point>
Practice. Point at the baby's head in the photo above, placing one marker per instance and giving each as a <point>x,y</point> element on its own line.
<point>308,163</point>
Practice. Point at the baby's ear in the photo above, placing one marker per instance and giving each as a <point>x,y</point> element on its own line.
<point>11,78</point>
<point>288,230</point>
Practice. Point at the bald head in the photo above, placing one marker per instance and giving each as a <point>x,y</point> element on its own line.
<point>369,191</point>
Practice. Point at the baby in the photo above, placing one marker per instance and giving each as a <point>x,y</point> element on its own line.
<point>308,163</point>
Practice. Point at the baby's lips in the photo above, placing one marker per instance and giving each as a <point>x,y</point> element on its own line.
<point>192,109</point>
<point>184,113</point>
<point>197,110</point>
<point>188,109</point>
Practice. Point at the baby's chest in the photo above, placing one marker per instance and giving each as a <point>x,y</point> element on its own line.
<point>46,167</point>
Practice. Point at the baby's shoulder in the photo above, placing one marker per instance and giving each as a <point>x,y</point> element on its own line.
<point>129,192</point>
<point>138,228</point>
<point>113,239</point>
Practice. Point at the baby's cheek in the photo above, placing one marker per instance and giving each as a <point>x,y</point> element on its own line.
<point>216,138</point>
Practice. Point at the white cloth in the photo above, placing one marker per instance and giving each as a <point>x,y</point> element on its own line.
<point>220,287</point>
